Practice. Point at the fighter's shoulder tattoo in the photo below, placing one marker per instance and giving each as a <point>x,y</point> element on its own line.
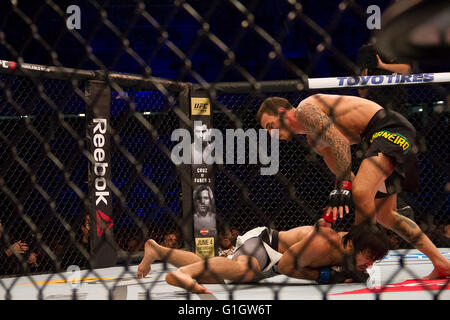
<point>317,123</point>
<point>312,117</point>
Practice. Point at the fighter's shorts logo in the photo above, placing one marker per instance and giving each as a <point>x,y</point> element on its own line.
<point>395,138</point>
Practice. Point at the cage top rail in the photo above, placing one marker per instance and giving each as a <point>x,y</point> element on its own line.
<point>331,83</point>
<point>124,79</point>
<point>62,73</point>
<point>50,72</point>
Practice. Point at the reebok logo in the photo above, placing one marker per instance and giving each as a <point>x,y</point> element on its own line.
<point>106,225</point>
<point>100,167</point>
<point>8,64</point>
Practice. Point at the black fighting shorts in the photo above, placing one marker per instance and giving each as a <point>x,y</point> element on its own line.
<point>391,134</point>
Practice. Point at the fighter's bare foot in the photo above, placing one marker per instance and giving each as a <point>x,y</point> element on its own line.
<point>441,270</point>
<point>150,255</point>
<point>183,280</point>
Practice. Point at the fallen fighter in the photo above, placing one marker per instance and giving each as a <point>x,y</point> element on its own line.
<point>307,252</point>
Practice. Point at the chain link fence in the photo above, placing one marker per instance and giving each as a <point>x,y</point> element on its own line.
<point>27,124</point>
<point>426,106</point>
<point>24,157</point>
<point>43,165</point>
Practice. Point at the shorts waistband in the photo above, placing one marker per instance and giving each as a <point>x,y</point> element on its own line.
<point>266,238</point>
<point>380,114</point>
<point>274,243</point>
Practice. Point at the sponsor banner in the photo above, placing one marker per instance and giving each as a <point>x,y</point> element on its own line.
<point>200,106</point>
<point>28,66</point>
<point>99,141</point>
<point>377,80</point>
<point>204,247</point>
<point>8,64</point>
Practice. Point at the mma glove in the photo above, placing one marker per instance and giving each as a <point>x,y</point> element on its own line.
<point>329,275</point>
<point>328,217</point>
<point>359,276</point>
<point>339,197</point>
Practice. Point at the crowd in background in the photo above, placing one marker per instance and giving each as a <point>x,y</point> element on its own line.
<point>22,256</point>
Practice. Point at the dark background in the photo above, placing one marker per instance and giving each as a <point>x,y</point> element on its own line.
<point>297,40</point>
<point>49,43</point>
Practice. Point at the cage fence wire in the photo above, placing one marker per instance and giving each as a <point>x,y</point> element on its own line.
<point>43,162</point>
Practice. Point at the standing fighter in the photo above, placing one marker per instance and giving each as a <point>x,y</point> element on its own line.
<point>307,252</point>
<point>332,123</point>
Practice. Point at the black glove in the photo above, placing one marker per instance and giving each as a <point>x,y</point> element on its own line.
<point>342,195</point>
<point>359,276</point>
<point>328,275</point>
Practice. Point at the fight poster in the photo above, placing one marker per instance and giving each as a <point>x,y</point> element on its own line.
<point>204,215</point>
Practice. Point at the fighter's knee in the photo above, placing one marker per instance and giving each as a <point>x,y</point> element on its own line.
<point>360,194</point>
<point>245,274</point>
<point>248,268</point>
<point>357,192</point>
<point>387,218</point>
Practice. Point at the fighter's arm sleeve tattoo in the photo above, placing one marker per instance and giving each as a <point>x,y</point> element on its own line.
<point>316,122</point>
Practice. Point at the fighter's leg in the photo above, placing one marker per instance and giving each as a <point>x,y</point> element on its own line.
<point>372,173</point>
<point>246,263</point>
<point>154,251</point>
<point>241,269</point>
<point>388,217</point>
<point>183,280</point>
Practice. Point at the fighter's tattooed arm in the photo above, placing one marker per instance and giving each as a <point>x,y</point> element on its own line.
<point>320,126</point>
<point>408,230</point>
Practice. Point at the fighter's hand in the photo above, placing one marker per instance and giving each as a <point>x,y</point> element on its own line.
<point>380,63</point>
<point>338,201</point>
<point>338,275</point>
<point>329,275</point>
